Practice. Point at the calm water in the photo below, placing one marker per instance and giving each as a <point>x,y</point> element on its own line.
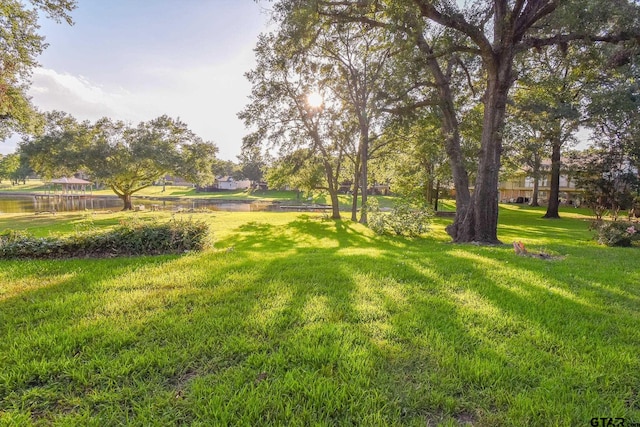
<point>28,204</point>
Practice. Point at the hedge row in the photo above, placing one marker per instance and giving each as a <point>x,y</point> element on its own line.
<point>130,238</point>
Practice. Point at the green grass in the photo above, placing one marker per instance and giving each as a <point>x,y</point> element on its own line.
<point>291,320</point>
<point>30,186</point>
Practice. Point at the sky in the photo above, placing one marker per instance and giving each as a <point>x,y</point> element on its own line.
<point>135,60</point>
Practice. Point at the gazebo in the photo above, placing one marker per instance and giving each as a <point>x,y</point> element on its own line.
<point>70,186</point>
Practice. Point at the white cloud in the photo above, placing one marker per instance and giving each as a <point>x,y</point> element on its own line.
<point>74,94</point>
<point>207,98</point>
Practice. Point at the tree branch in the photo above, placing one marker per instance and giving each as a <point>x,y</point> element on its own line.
<point>466,72</point>
<point>456,22</point>
<point>558,39</point>
<point>411,107</point>
<point>533,12</point>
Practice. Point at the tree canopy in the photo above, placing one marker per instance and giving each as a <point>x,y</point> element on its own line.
<point>126,158</point>
<point>20,45</point>
<point>472,45</point>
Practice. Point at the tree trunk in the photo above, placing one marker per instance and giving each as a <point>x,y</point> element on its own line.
<point>536,180</point>
<point>480,221</point>
<point>354,202</point>
<point>332,186</point>
<point>437,196</point>
<point>356,183</point>
<point>126,199</point>
<point>363,173</point>
<point>453,147</point>
<point>554,193</point>
<point>335,204</point>
<point>429,189</point>
<point>450,128</point>
<point>534,195</point>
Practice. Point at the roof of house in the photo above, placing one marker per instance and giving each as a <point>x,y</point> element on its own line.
<point>72,180</point>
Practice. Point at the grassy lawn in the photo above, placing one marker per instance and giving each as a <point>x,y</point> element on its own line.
<point>291,320</point>
<point>29,186</point>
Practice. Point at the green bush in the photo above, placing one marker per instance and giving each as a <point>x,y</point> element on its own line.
<point>129,238</point>
<point>405,218</point>
<point>616,233</point>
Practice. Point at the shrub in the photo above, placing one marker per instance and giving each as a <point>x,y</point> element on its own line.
<point>18,244</point>
<point>405,218</point>
<point>616,233</point>
<point>130,238</point>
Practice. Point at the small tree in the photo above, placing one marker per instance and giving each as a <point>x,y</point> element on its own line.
<point>226,168</point>
<point>609,181</point>
<point>301,170</point>
<point>9,164</point>
<point>415,162</point>
<point>252,164</point>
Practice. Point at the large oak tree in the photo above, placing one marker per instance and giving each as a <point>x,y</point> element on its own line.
<point>495,31</point>
<point>124,157</point>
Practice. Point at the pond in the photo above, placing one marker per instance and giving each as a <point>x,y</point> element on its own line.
<point>39,203</point>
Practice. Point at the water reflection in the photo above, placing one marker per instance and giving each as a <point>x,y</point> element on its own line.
<point>32,204</point>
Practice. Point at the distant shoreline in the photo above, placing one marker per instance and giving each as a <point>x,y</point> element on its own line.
<point>161,198</point>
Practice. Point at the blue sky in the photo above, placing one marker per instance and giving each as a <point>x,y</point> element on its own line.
<point>137,59</point>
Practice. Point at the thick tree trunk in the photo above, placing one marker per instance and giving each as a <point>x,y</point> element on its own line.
<point>480,221</point>
<point>458,170</point>
<point>126,199</point>
<point>554,193</point>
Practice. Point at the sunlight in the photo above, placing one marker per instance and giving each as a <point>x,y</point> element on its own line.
<point>11,287</point>
<point>315,100</point>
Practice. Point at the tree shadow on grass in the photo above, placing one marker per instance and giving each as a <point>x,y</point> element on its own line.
<point>293,326</point>
<point>251,340</point>
<point>549,232</point>
<point>452,332</point>
<point>564,339</point>
<point>303,232</point>
<point>317,341</point>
